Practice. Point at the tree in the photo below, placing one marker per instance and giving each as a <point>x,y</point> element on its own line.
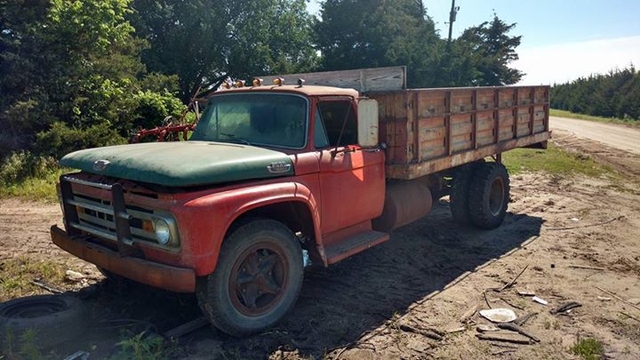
<point>372,33</point>
<point>19,93</point>
<point>615,94</point>
<point>201,40</point>
<point>73,67</point>
<point>488,49</point>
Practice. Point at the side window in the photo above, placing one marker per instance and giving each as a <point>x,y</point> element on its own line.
<point>320,134</point>
<point>333,115</point>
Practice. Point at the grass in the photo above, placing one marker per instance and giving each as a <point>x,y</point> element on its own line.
<point>25,175</point>
<point>34,188</point>
<point>141,347</point>
<point>25,347</point>
<point>588,349</point>
<point>569,114</point>
<point>16,276</point>
<point>553,160</point>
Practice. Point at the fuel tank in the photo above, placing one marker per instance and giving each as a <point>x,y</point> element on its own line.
<point>404,202</point>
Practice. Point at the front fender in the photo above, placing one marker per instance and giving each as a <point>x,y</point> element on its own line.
<point>205,220</point>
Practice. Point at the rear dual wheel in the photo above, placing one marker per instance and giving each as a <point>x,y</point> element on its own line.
<point>459,196</point>
<point>257,279</point>
<point>480,195</point>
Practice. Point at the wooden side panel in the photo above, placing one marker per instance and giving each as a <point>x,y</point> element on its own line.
<point>432,137</point>
<point>394,126</point>
<point>430,130</point>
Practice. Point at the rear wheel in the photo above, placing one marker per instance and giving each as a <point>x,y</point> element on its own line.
<point>459,196</point>
<point>488,195</point>
<point>257,279</point>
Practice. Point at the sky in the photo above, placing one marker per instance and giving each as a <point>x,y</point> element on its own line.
<point>562,40</point>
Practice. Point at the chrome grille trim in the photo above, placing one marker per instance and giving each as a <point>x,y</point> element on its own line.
<point>87,183</point>
<point>96,216</point>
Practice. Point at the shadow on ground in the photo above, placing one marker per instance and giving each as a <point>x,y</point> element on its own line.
<point>336,305</point>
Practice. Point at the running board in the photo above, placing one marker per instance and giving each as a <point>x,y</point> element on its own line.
<point>354,245</point>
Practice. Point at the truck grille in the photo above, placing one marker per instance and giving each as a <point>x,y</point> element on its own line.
<point>96,217</point>
<point>86,214</point>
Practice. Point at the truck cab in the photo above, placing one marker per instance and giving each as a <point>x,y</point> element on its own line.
<point>268,171</point>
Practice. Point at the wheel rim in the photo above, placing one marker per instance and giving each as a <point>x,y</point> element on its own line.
<point>496,197</point>
<point>258,279</point>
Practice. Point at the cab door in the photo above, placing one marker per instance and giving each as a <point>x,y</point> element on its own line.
<point>352,179</point>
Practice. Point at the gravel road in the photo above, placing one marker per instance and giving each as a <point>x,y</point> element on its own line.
<point>617,136</point>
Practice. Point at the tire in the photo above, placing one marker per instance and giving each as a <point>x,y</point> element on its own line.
<point>53,319</point>
<point>489,195</point>
<point>459,195</point>
<point>257,279</point>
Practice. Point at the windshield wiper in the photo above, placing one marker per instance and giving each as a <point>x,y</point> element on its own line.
<point>236,138</point>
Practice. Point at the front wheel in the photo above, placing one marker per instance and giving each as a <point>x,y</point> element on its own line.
<point>257,279</point>
<point>488,195</point>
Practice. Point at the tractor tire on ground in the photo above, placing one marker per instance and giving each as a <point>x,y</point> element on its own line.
<point>256,281</point>
<point>53,319</point>
<point>488,195</point>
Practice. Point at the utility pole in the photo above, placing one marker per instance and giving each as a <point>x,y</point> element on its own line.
<point>452,18</point>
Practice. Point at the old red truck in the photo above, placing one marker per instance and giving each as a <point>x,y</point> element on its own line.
<point>275,173</point>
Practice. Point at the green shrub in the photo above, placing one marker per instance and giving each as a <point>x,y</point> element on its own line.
<point>60,139</point>
<point>151,108</point>
<point>21,165</point>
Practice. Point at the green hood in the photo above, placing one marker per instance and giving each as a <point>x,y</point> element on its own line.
<point>183,163</point>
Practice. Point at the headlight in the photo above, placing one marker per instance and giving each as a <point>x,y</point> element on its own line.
<point>162,230</point>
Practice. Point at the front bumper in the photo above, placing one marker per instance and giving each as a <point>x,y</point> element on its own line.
<point>144,271</point>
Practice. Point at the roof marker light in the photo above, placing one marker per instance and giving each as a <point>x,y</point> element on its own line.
<point>300,82</point>
<point>278,81</point>
<point>257,82</point>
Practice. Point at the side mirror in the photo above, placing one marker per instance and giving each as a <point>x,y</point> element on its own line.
<point>367,123</point>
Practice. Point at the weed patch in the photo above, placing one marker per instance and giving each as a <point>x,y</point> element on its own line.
<point>145,346</point>
<point>588,349</point>
<point>554,161</point>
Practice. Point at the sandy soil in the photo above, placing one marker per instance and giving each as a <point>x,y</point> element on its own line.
<point>577,239</point>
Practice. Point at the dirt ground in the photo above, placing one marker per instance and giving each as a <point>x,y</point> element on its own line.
<point>577,239</point>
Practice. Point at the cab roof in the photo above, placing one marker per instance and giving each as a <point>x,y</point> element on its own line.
<point>308,90</point>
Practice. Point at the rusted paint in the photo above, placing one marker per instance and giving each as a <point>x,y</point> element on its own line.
<point>162,276</point>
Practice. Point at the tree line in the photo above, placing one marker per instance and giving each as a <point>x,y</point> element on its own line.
<point>83,73</point>
<point>615,94</point>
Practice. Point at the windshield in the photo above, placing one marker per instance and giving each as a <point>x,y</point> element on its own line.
<point>254,119</point>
